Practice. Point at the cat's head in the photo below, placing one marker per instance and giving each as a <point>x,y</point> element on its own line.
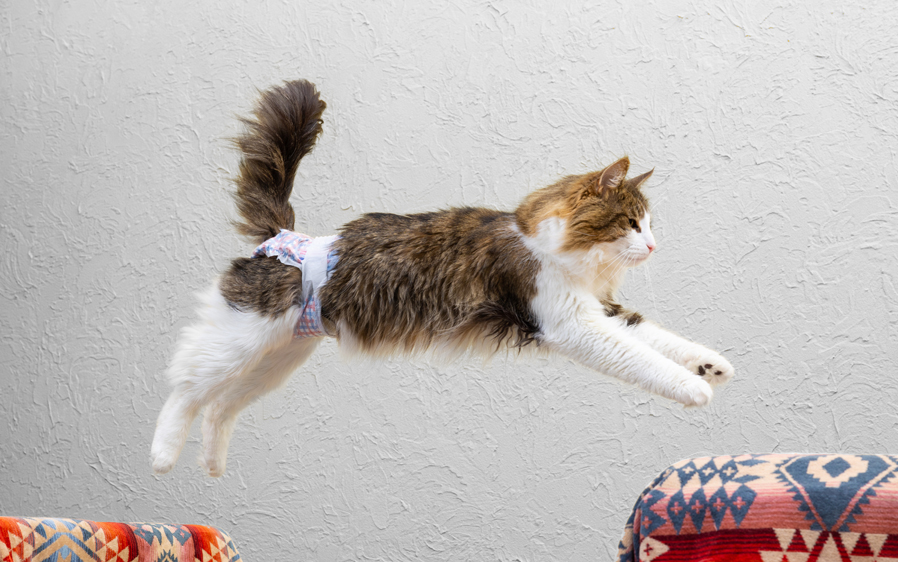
<point>602,214</point>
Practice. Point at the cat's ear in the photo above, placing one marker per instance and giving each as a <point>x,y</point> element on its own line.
<point>641,179</point>
<point>612,176</point>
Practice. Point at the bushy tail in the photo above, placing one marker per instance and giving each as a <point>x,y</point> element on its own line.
<point>286,122</point>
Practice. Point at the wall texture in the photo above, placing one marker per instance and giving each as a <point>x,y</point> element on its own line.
<point>772,126</point>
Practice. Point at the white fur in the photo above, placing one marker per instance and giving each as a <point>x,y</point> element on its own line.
<point>223,363</point>
<point>574,323</point>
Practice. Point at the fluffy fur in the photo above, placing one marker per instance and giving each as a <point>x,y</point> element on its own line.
<point>455,281</point>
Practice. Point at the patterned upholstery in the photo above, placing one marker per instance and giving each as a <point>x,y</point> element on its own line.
<point>71,540</point>
<point>782,508</point>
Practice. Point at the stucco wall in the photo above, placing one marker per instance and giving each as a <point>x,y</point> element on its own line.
<point>772,126</point>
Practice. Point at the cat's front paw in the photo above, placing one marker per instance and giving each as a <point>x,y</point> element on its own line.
<point>711,367</point>
<point>694,392</point>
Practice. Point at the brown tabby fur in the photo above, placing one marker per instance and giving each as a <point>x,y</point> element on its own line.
<point>262,284</point>
<point>596,206</point>
<point>455,274</point>
<point>287,123</point>
<point>406,282</point>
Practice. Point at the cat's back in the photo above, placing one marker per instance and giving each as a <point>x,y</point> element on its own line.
<point>431,271</point>
<point>456,243</point>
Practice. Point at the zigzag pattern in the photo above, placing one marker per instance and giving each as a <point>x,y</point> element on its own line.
<point>783,508</point>
<point>69,540</point>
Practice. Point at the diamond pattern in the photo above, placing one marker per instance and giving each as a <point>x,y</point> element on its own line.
<point>697,506</point>
<point>809,508</point>
<point>677,510</point>
<point>831,489</point>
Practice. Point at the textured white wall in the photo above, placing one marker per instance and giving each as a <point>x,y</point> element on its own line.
<point>773,127</point>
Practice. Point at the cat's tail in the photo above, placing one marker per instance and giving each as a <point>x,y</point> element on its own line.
<point>284,126</point>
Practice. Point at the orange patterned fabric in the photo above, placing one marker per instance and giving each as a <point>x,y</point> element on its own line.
<point>34,539</point>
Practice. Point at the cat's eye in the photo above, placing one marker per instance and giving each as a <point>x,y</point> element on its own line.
<point>635,225</point>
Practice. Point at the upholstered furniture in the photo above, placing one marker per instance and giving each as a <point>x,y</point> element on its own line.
<point>68,540</point>
<point>778,507</point>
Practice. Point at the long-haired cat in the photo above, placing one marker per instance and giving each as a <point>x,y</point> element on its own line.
<point>467,279</point>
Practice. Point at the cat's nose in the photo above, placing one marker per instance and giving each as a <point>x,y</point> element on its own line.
<point>651,247</point>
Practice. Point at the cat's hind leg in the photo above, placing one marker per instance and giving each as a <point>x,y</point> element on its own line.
<point>220,417</point>
<point>172,427</point>
<point>219,349</point>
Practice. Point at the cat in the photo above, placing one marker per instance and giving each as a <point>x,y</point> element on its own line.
<point>453,281</point>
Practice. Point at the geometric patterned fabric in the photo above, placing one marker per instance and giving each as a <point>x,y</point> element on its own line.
<point>768,508</point>
<point>72,540</point>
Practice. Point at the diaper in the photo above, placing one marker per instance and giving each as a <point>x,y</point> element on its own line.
<point>317,259</point>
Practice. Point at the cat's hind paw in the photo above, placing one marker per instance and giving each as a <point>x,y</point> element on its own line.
<point>712,368</point>
<point>163,460</point>
<point>213,466</point>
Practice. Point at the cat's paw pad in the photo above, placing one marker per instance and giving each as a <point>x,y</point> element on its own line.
<point>712,368</point>
<point>694,393</point>
<point>163,456</point>
<point>163,463</point>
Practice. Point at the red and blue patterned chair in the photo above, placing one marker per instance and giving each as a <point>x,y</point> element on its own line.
<point>69,540</point>
<point>765,508</point>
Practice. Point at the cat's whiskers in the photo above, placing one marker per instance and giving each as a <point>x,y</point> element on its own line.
<point>651,288</point>
<point>618,262</point>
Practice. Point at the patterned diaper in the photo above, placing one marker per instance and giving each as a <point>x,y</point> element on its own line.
<point>316,258</point>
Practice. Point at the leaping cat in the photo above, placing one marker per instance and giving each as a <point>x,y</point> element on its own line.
<point>466,279</point>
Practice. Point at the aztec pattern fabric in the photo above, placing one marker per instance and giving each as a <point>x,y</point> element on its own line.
<point>766,508</point>
<point>71,540</point>
<point>293,248</point>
